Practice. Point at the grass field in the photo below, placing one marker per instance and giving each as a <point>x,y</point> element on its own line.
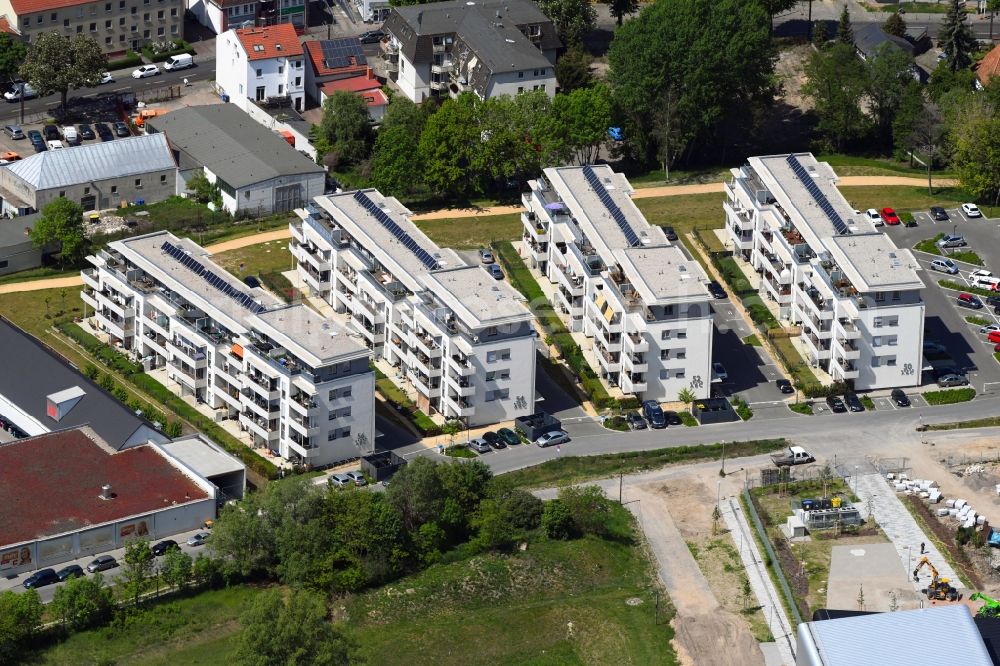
<point>468,233</point>
<point>200,629</point>
<point>43,273</point>
<point>519,608</point>
<point>903,197</point>
<point>269,257</point>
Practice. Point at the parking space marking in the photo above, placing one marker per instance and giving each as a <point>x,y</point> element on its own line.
<point>917,400</point>
<point>884,403</point>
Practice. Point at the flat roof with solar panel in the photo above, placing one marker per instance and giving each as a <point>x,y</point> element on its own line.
<point>186,268</point>
<point>381,225</point>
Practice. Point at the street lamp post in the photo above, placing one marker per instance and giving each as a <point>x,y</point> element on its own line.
<point>722,472</point>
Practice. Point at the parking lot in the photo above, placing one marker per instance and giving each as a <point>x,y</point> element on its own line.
<point>945,321</point>
<point>751,370</point>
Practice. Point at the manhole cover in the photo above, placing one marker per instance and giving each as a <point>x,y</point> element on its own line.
<point>634,601</point>
<point>858,552</point>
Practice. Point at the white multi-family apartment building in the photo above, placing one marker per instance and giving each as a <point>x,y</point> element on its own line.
<point>464,340</point>
<point>263,66</point>
<point>855,295</point>
<point>299,384</point>
<point>618,280</point>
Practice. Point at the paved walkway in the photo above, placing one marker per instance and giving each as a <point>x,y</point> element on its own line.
<point>899,525</point>
<point>763,589</point>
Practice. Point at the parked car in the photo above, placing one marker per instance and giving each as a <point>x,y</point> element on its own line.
<point>716,290</point>
<point>939,214</point>
<point>102,563</point>
<point>144,71</point>
<point>493,440</point>
<point>51,133</point>
<point>889,216</point>
<point>672,418</point>
<point>670,233</point>
<point>479,445</point>
<point>952,241</point>
<point>371,37</point>
<point>552,438</point>
<point>836,404</point>
<point>121,129</point>
<point>989,328</point>
<point>899,397</point>
<point>719,372</point>
<point>40,578</point>
<point>495,271</point>
<point>784,386</point>
<point>106,78</point>
<point>162,547</point>
<point>943,370</point>
<point>952,380</point>
<point>635,421</point>
<point>72,571</point>
<point>19,90</point>
<point>993,301</point>
<point>339,481</point>
<point>485,256</point>
<point>993,337</point>
<point>874,217</point>
<point>9,157</point>
<point>198,539</point>
<point>13,131</point>
<point>654,414</point>
<point>358,479</point>
<point>86,132</point>
<point>945,266</point>
<point>971,210</point>
<point>969,301</point>
<point>56,145</point>
<point>853,402</point>
<point>251,281</point>
<point>37,141</point>
<point>104,132</point>
<point>509,437</point>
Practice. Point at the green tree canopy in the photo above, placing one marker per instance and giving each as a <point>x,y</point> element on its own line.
<point>619,8</point>
<point>344,134</point>
<point>573,69</point>
<point>715,57</point>
<point>955,37</point>
<point>573,18</point>
<point>294,632</point>
<point>836,82</point>
<point>12,54</point>
<point>396,167</point>
<point>55,63</point>
<point>61,223</point>
<point>890,74</point>
<point>448,147</point>
<point>977,152</point>
<point>895,25</point>
<point>845,31</point>
<point>20,618</point>
<point>583,117</point>
<point>83,602</point>
<point>136,570</point>
<point>177,568</point>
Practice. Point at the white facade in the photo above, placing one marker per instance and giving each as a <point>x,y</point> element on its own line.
<point>246,77</point>
<point>641,299</point>
<point>462,339</point>
<point>855,295</point>
<point>373,11</point>
<point>298,385</point>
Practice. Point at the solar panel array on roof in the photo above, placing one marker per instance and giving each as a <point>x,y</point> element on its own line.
<point>820,198</point>
<point>616,212</point>
<point>211,278</point>
<point>337,53</point>
<point>413,246</point>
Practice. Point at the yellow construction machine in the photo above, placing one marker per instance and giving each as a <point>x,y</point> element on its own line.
<point>940,589</point>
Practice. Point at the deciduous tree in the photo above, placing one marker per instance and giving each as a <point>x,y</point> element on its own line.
<point>583,116</point>
<point>573,18</point>
<point>12,54</point>
<point>955,37</point>
<point>61,223</point>
<point>836,82</point>
<point>292,631</point>
<point>448,147</point>
<point>177,568</point>
<point>573,69</point>
<point>345,131</point>
<point>20,618</point>
<point>977,152</point>
<point>890,74</point>
<point>136,570</point>
<point>619,8</point>
<point>396,167</point>
<point>83,602</point>
<point>55,63</point>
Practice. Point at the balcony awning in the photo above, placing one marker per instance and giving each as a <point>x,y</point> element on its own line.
<point>237,350</point>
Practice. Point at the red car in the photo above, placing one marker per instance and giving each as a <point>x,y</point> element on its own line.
<point>889,216</point>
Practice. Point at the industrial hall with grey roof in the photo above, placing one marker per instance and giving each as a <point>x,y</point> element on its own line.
<point>96,176</point>
<point>255,168</point>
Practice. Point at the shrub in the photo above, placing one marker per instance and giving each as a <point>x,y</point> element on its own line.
<point>630,402</point>
<point>742,408</point>
<point>801,408</point>
<point>588,507</point>
<point>524,510</point>
<point>978,321</point>
<point>173,429</point>
<point>929,245</point>
<point>949,396</point>
<point>104,353</point>
<point>130,59</point>
<point>91,372</point>
<point>616,423</point>
<point>557,521</point>
<point>956,286</point>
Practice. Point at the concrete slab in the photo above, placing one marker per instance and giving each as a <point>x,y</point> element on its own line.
<point>876,569</point>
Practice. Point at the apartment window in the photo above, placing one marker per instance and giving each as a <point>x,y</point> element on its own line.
<point>40,19</point>
<point>121,21</point>
<point>668,309</point>
<point>260,94</point>
<point>79,29</point>
<point>145,17</point>
<point>345,392</point>
<point>65,23</point>
<point>520,89</point>
<point>114,189</point>
<point>880,297</point>
<point>665,335</point>
<point>492,330</point>
<point>160,31</point>
<point>134,11</point>
<point>520,75</point>
<point>332,436</point>
<point>892,340</point>
<point>260,73</point>
<point>664,374</point>
<point>281,69</point>
<point>107,7</point>
<point>54,17</point>
<point>86,190</point>
<point>281,89</point>
<point>93,27</point>
<point>679,374</point>
<point>133,28</point>
<point>895,296</point>
<point>504,374</point>
<point>138,183</point>
<point>107,41</point>
<point>681,354</point>
<point>121,4</point>
<point>890,361</point>
<point>664,354</point>
<point>107,25</point>
<point>62,193</point>
<point>875,362</point>
<point>173,12</point>
<point>491,357</point>
<point>892,321</point>
<point>877,322</point>
<point>491,376</point>
<point>682,335</point>
<point>298,81</point>
<point>499,394</point>
<point>173,29</point>
<point>145,34</point>
<point>877,341</point>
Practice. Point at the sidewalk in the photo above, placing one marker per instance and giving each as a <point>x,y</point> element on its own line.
<point>899,525</point>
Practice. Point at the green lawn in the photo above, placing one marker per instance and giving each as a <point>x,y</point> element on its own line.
<point>685,212</point>
<point>903,197</point>
<point>801,374</point>
<point>269,257</point>
<point>850,165</point>
<point>467,233</point>
<point>43,273</point>
<point>200,629</point>
<point>558,602</point>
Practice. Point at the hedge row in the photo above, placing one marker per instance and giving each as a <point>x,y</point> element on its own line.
<point>130,59</point>
<point>104,353</point>
<point>404,406</point>
<point>182,47</point>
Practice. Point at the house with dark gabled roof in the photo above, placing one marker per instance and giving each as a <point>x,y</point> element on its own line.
<point>487,47</point>
<point>869,38</point>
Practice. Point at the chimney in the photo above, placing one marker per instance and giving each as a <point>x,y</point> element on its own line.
<point>106,491</point>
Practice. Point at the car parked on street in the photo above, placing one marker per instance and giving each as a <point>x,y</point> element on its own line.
<point>372,37</point>
<point>889,216</point>
<point>719,372</point>
<point>899,397</point>
<point>198,539</point>
<point>635,421</point>
<point>971,210</point>
<point>945,381</point>
<point>106,78</point>
<point>122,130</point>
<point>104,132</point>
<point>72,571</point>
<point>485,256</point>
<point>493,440</point>
<point>509,437</point>
<point>495,271</point>
<point>479,445</point>
<point>339,481</point>
<point>952,241</point>
<point>932,347</point>
<point>716,290</point>
<point>836,404</point>
<point>672,418</point>
<point>939,214</point>
<point>357,478</point>
<point>969,301</point>
<point>51,133</point>
<point>989,328</point>
<point>86,132</point>
<point>13,131</point>
<point>40,578</point>
<point>552,438</point>
<point>654,414</point>
<point>144,71</point>
<point>784,386</point>
<point>37,141</point>
<point>874,217</point>
<point>853,402</point>
<point>18,91</point>
<point>670,233</point>
<point>102,563</point>
<point>945,266</point>
<point>162,547</point>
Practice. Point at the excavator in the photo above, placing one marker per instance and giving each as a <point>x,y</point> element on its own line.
<point>939,589</point>
<point>992,607</point>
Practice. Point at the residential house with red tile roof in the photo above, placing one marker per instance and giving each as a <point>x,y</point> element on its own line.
<point>332,60</point>
<point>265,66</point>
<point>223,15</point>
<point>988,68</point>
<point>367,88</point>
<point>117,25</point>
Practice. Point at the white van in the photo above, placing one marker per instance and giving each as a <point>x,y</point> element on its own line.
<point>179,61</point>
<point>986,282</point>
<point>72,138</point>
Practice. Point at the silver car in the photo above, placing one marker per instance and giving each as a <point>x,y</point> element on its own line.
<point>340,480</point>
<point>13,131</point>
<point>952,241</point>
<point>553,438</point>
<point>479,445</point>
<point>102,563</point>
<point>358,478</point>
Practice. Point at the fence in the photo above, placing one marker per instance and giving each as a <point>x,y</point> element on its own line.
<point>786,590</point>
<point>893,466</point>
<point>962,460</point>
<point>155,94</point>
